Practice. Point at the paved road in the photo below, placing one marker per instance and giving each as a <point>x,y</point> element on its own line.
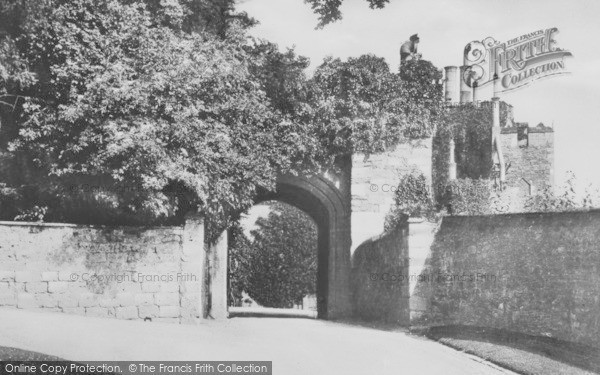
<point>296,346</point>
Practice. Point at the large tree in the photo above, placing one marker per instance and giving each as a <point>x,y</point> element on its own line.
<point>153,104</point>
<point>278,266</point>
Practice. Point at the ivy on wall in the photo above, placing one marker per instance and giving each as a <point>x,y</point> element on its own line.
<point>470,127</point>
<point>467,197</point>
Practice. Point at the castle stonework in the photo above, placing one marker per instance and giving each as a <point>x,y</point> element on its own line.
<point>374,182</point>
<point>527,153</point>
<point>530,152</point>
<point>523,157</point>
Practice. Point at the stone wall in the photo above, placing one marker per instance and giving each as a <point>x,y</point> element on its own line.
<point>379,282</point>
<point>531,164</point>
<point>374,180</point>
<point>536,273</point>
<point>127,273</point>
<point>421,234</point>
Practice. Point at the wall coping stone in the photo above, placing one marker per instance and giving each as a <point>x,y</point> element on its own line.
<point>524,214</point>
<point>176,229</point>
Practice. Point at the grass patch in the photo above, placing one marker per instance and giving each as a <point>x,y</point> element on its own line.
<point>14,354</point>
<point>519,352</point>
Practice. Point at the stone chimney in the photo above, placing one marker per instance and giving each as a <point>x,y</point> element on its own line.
<point>451,85</point>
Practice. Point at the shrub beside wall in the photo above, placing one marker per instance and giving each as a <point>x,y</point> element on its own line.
<point>535,273</point>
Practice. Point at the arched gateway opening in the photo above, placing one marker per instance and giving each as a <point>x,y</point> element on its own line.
<point>273,263</point>
<point>325,204</point>
<point>329,208</point>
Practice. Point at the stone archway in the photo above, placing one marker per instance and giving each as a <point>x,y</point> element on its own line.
<point>330,210</point>
<point>325,203</point>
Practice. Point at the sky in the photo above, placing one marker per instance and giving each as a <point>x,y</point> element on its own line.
<point>569,103</point>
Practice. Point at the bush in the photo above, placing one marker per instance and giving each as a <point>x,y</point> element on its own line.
<point>411,199</point>
<point>568,198</point>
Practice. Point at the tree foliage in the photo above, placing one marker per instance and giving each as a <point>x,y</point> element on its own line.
<point>279,266</point>
<point>282,76</point>
<point>140,100</point>
<point>423,90</point>
<point>361,106</point>
<point>329,10</point>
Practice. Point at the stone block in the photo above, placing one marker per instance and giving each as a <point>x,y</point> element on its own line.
<point>191,287</point>
<point>190,268</point>
<point>49,276</point>
<point>166,299</point>
<point>169,312</point>
<point>18,287</point>
<point>77,287</point>
<point>148,311</point>
<point>68,276</point>
<point>66,301</point>
<point>74,310</point>
<point>28,276</point>
<point>36,287</point>
<point>169,287</point>
<point>5,287</point>
<point>128,312</point>
<point>7,276</point>
<point>191,309</point>
<point>88,300</point>
<point>8,299</point>
<point>107,301</point>
<point>150,286</point>
<point>169,248</point>
<point>167,257</point>
<point>100,312</point>
<point>58,286</point>
<point>46,300</point>
<point>126,299</point>
<point>144,299</point>
<point>165,270</point>
<point>130,287</point>
<point>26,301</point>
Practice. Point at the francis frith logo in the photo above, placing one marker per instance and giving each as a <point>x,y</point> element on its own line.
<point>515,63</point>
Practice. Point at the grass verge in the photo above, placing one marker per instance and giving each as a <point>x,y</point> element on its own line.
<point>521,353</point>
